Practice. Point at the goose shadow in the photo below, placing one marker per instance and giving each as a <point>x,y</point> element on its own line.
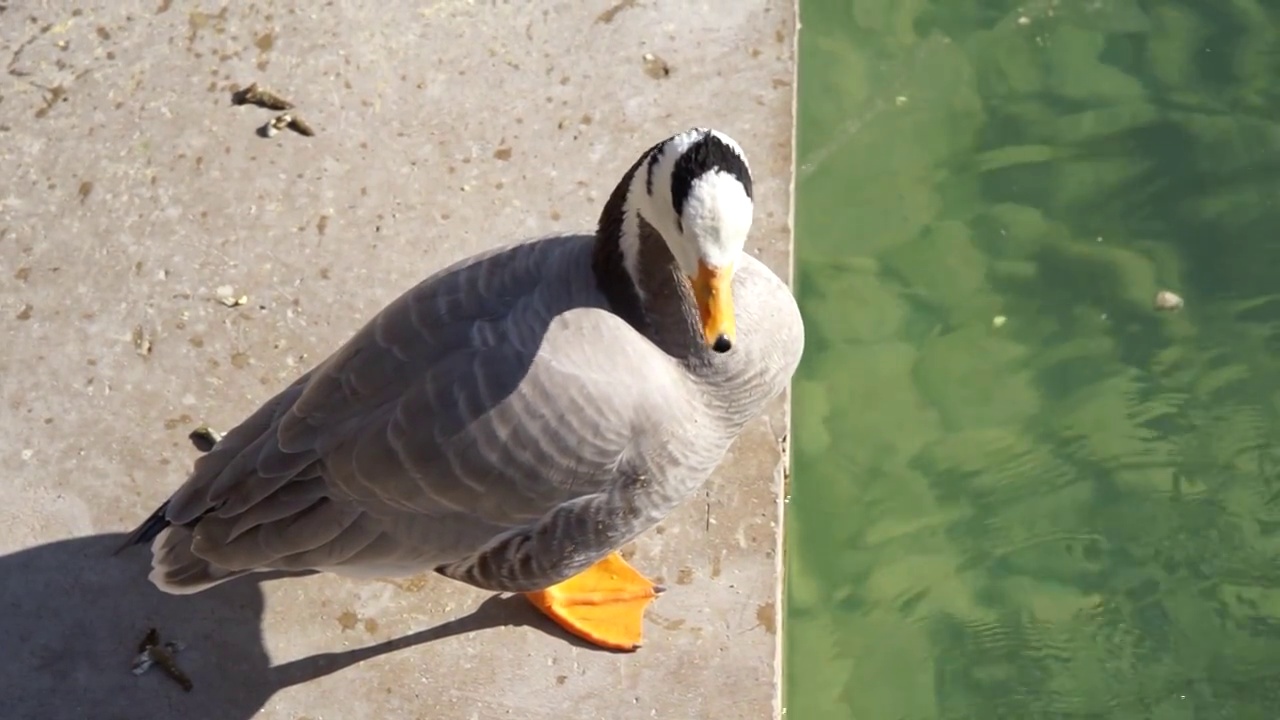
<point>72,617</point>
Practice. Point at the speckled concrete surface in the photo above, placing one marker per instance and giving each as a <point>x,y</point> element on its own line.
<point>133,193</point>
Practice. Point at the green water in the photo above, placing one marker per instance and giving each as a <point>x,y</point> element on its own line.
<point>1019,491</point>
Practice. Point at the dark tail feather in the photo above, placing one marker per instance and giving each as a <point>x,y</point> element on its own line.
<point>205,440</point>
<point>148,530</point>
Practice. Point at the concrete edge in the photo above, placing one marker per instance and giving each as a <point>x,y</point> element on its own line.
<point>783,475</point>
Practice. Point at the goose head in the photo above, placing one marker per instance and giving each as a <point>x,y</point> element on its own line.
<point>695,190</point>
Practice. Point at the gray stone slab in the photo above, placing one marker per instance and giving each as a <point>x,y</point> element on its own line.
<point>133,192</point>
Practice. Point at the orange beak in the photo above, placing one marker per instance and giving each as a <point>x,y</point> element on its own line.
<point>714,295</point>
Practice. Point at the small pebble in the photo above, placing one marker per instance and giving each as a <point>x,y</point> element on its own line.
<point>1168,300</point>
<point>204,438</point>
<point>227,297</point>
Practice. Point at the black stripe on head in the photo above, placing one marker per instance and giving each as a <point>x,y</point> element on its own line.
<point>654,155</point>
<point>609,265</point>
<point>707,154</point>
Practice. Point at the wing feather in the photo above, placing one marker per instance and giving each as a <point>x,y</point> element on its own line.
<point>480,400</point>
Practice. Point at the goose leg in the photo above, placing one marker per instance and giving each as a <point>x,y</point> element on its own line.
<point>603,604</point>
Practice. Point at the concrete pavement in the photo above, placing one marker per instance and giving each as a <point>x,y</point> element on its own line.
<point>138,207</point>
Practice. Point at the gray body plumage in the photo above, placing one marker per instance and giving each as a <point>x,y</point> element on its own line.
<point>498,423</point>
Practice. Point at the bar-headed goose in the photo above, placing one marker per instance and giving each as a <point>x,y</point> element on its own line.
<point>515,418</point>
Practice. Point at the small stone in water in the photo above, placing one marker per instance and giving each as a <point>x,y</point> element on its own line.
<point>1168,300</point>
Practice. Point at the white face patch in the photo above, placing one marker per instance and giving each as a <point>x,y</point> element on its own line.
<point>717,219</point>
